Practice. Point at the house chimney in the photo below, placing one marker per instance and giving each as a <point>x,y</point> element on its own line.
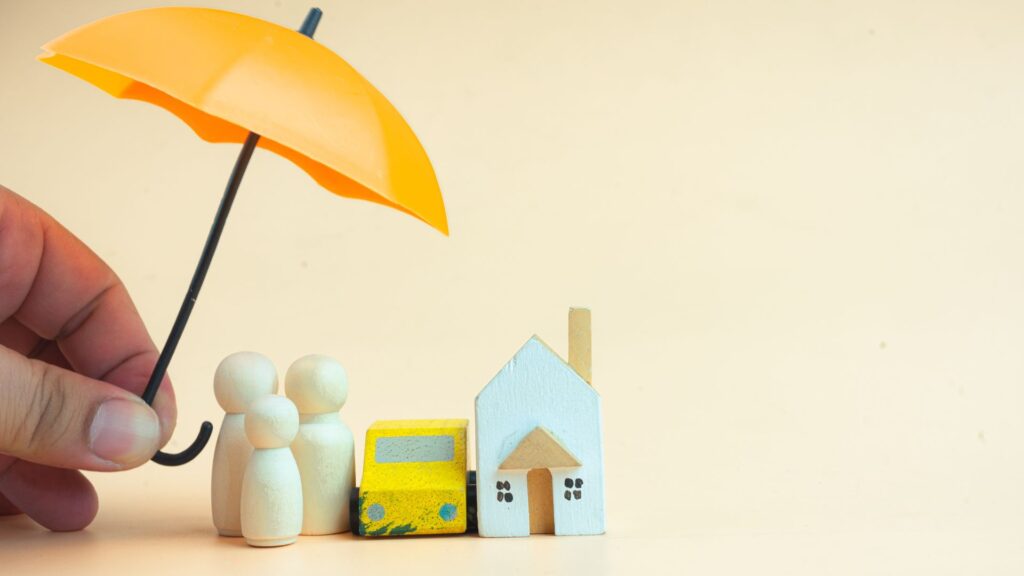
<point>579,341</point>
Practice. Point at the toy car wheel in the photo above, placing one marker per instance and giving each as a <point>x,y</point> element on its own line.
<point>471,526</point>
<point>353,512</point>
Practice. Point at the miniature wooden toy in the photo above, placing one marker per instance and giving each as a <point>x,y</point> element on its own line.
<point>272,488</point>
<point>414,478</point>
<point>240,378</point>
<point>538,442</point>
<point>324,448</point>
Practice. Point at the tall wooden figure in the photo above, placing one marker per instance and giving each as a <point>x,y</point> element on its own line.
<point>240,378</point>
<point>324,447</point>
<point>272,488</point>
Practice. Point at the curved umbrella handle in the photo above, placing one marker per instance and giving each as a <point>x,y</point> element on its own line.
<point>188,454</point>
<point>160,370</point>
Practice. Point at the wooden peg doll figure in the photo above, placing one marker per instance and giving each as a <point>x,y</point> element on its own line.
<point>240,378</point>
<point>272,488</point>
<point>324,447</point>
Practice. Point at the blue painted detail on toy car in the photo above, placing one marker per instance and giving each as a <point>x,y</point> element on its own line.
<point>375,512</point>
<point>449,512</point>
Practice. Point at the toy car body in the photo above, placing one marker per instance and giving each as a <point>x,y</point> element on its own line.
<point>414,478</point>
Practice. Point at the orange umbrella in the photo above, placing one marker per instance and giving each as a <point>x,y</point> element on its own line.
<point>233,78</point>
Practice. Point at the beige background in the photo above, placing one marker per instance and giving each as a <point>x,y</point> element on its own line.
<point>797,223</point>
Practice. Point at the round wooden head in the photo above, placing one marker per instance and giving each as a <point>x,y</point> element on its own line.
<point>241,378</point>
<point>317,384</point>
<point>271,422</point>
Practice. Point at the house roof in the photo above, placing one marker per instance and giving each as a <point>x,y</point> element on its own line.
<point>538,340</point>
<point>539,449</point>
<point>528,352</point>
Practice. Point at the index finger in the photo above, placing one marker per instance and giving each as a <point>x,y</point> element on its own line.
<point>54,285</point>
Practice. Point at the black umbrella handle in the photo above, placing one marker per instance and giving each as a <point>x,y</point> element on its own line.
<point>190,301</point>
<point>160,370</point>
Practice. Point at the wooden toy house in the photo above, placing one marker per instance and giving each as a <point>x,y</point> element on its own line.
<point>538,439</point>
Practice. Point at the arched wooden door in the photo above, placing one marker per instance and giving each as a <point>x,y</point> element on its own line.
<point>542,509</point>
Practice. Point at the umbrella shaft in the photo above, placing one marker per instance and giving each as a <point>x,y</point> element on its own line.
<point>201,268</point>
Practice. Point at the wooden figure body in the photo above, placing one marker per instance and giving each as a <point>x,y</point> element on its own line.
<point>324,448</point>
<point>414,478</point>
<point>538,439</point>
<point>240,378</point>
<point>272,488</point>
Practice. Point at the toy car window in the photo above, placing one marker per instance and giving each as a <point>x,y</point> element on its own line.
<point>391,449</point>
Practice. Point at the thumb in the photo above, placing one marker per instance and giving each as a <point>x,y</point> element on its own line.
<point>57,417</point>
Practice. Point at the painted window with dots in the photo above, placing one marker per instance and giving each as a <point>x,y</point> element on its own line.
<point>573,489</point>
<point>504,491</point>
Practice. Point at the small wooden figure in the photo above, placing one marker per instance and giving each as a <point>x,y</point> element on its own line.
<point>240,378</point>
<point>414,478</point>
<point>272,488</point>
<point>324,448</point>
<point>538,442</point>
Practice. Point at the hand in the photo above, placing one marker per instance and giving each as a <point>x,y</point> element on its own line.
<point>74,356</point>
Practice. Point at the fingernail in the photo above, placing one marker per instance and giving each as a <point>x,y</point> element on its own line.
<point>124,432</point>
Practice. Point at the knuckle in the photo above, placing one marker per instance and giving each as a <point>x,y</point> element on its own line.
<point>16,396</point>
<point>44,421</point>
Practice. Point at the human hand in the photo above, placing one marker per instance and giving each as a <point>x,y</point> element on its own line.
<point>74,357</point>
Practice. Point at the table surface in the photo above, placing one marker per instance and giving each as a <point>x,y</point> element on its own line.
<point>797,226</point>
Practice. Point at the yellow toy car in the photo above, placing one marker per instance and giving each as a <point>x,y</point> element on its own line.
<point>414,479</point>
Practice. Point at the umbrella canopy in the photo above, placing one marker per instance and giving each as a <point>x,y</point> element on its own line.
<point>227,74</point>
<point>233,78</point>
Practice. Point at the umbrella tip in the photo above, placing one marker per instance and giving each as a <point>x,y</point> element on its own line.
<point>311,22</point>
